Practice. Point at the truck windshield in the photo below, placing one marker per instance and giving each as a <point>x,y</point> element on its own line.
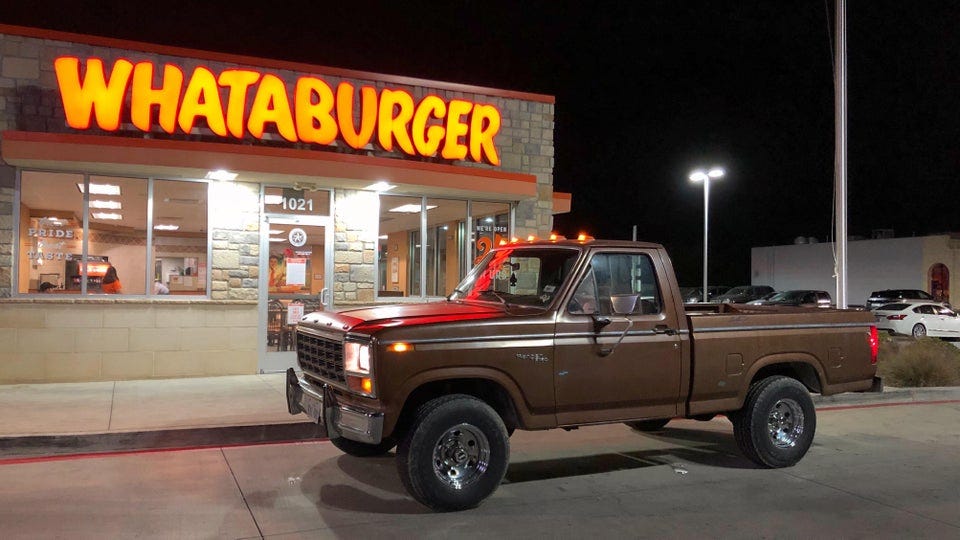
<point>518,276</point>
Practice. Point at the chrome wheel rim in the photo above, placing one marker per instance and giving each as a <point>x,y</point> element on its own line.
<point>461,456</point>
<point>919,331</point>
<point>785,423</point>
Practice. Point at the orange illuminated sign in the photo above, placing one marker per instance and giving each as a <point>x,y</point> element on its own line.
<point>237,102</point>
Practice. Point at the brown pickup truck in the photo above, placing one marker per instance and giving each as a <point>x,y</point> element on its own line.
<point>561,334</point>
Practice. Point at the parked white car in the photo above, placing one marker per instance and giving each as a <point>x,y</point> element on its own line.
<point>918,319</point>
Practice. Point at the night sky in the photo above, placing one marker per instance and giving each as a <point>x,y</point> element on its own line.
<point>646,91</point>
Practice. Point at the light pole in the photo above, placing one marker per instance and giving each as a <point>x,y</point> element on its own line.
<point>705,176</point>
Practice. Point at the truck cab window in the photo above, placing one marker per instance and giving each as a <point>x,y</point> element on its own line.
<point>623,283</point>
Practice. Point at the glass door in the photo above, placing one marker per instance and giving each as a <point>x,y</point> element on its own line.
<point>296,257</point>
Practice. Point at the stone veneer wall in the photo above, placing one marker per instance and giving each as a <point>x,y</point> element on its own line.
<point>58,341</point>
<point>356,215</point>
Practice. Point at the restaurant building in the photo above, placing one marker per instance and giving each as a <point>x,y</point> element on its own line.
<point>229,195</point>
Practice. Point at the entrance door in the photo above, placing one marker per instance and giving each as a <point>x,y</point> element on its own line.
<point>297,272</point>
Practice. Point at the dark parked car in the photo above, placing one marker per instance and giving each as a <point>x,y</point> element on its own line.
<point>744,294</point>
<point>797,297</point>
<point>889,296</point>
<point>693,295</point>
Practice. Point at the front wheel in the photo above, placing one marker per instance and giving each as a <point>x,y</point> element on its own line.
<point>359,449</point>
<point>919,330</point>
<point>455,453</point>
<point>776,425</point>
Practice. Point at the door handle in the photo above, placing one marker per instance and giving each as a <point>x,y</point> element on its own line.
<point>664,329</point>
<point>324,296</point>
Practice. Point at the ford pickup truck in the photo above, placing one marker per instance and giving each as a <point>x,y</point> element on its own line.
<point>562,334</point>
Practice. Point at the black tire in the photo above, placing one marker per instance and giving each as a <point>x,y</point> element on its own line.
<point>648,425</point>
<point>919,331</point>
<point>359,449</point>
<point>775,428</point>
<point>455,453</point>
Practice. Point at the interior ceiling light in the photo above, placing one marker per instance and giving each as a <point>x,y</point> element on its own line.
<point>106,205</point>
<point>380,186</point>
<point>101,189</point>
<point>221,174</point>
<point>166,227</point>
<point>411,208</point>
<point>106,215</point>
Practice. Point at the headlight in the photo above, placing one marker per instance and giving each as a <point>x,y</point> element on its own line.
<point>356,363</point>
<point>356,357</point>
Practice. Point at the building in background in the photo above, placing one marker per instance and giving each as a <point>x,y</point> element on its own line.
<point>921,262</point>
<point>253,190</point>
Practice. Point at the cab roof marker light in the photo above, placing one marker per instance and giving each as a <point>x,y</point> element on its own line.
<point>531,238</point>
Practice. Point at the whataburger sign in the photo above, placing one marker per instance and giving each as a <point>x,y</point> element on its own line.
<point>456,129</point>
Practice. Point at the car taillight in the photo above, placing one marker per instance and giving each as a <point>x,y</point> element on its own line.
<point>874,345</point>
<point>896,317</point>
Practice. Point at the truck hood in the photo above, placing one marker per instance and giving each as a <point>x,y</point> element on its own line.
<point>371,319</point>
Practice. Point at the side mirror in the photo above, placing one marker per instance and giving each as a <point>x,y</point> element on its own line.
<point>623,304</point>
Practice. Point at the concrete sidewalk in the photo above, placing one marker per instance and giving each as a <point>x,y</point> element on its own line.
<point>56,418</point>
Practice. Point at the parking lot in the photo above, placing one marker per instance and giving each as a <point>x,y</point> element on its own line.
<point>875,471</point>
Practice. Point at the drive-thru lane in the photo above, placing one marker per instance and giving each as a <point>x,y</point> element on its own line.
<point>874,472</point>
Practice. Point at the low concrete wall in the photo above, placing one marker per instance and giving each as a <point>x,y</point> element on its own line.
<point>89,340</point>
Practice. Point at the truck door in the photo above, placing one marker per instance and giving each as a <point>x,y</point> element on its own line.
<point>618,353</point>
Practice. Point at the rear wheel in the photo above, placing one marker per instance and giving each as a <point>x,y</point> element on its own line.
<point>648,425</point>
<point>455,453</point>
<point>919,330</point>
<point>359,449</point>
<point>775,428</point>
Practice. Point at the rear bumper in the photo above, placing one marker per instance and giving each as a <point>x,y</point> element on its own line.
<point>320,405</point>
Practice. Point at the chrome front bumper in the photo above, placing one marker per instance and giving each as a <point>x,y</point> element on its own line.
<point>320,405</point>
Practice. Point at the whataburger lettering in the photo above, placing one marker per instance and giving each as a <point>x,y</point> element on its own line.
<point>458,129</point>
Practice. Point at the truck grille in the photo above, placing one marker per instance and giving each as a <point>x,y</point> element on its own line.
<point>321,356</point>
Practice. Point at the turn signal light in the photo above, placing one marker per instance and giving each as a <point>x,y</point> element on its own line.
<point>364,385</point>
<point>400,347</point>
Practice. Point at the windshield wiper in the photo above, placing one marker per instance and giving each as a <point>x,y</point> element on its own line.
<point>495,294</point>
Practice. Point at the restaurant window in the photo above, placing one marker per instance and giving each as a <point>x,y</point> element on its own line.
<point>491,226</point>
<point>445,241</point>
<point>407,224</point>
<point>399,245</point>
<point>179,237</point>
<point>88,234</point>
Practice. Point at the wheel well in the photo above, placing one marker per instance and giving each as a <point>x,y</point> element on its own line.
<point>801,371</point>
<point>483,389</point>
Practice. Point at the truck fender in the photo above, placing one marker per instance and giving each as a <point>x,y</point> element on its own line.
<point>810,375</point>
<point>460,373</point>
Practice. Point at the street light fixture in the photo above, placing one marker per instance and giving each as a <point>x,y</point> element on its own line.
<point>697,176</point>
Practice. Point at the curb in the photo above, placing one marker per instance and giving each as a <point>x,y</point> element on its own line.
<point>96,443</point>
<point>889,396</point>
